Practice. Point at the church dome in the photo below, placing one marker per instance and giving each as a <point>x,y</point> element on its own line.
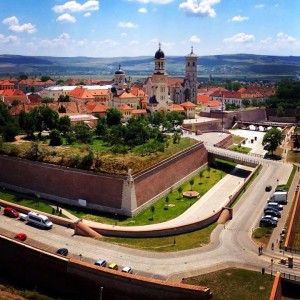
<point>159,54</point>
<point>120,71</point>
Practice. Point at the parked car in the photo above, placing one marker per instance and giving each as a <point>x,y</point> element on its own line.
<point>272,212</point>
<point>275,205</point>
<point>101,262</point>
<point>127,269</point>
<point>21,236</point>
<point>267,223</point>
<point>62,251</point>
<point>11,212</point>
<point>268,188</point>
<point>270,217</point>
<point>113,266</point>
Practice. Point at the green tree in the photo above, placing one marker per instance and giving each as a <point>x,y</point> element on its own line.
<point>15,102</point>
<point>245,102</point>
<point>152,211</point>
<point>296,141</point>
<point>64,124</point>
<point>113,116</point>
<point>45,78</point>
<point>179,190</point>
<point>272,139</point>
<point>9,131</point>
<point>55,138</point>
<point>64,98</point>
<point>254,102</point>
<point>175,118</point>
<point>157,119</point>
<point>280,111</point>
<point>101,128</point>
<point>192,181</point>
<point>83,133</point>
<point>167,202</point>
<point>47,100</point>
<point>87,160</point>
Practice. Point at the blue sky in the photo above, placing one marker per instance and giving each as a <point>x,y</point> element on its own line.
<point>109,28</point>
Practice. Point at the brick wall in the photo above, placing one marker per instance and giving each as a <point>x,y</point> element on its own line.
<point>61,183</point>
<point>159,178</point>
<point>69,278</point>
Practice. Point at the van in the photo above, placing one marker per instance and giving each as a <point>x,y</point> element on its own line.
<point>275,205</point>
<point>39,220</point>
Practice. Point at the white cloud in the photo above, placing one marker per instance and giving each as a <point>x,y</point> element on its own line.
<point>259,5</point>
<point>127,25</point>
<point>152,1</point>
<point>123,34</point>
<point>11,39</point>
<point>11,21</point>
<point>195,39</point>
<point>276,5</point>
<point>239,19</point>
<point>14,25</point>
<point>199,7</point>
<point>240,38</point>
<point>61,40</point>
<point>66,18</point>
<point>285,38</point>
<point>88,14</point>
<point>143,10</point>
<point>73,6</point>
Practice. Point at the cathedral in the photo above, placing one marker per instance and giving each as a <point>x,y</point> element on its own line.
<point>161,93</point>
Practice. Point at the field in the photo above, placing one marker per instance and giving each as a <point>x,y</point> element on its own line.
<point>231,284</point>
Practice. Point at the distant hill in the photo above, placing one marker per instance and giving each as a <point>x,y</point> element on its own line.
<point>219,66</point>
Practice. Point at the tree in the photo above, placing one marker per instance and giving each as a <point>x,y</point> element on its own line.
<point>296,141</point>
<point>280,111</point>
<point>175,118</point>
<point>272,139</point>
<point>192,181</point>
<point>9,131</point>
<point>179,191</point>
<point>55,138</point>
<point>245,102</point>
<point>15,102</point>
<point>157,119</point>
<point>47,100</point>
<point>152,211</point>
<point>83,133</point>
<point>64,124</point>
<point>64,98</point>
<point>101,127</point>
<point>45,78</point>
<point>113,116</point>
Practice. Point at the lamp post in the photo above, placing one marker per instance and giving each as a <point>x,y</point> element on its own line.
<point>101,289</point>
<point>223,114</point>
<point>271,268</point>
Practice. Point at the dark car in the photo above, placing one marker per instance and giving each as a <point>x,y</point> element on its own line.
<point>268,188</point>
<point>272,212</point>
<point>266,222</point>
<point>11,212</point>
<point>62,251</point>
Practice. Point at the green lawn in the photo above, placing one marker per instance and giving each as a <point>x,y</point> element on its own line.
<point>168,207</point>
<point>180,242</point>
<point>235,284</point>
<point>240,149</point>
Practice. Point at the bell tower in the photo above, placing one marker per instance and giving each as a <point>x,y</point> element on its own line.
<point>191,74</point>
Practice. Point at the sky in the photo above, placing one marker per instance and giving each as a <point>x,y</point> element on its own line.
<point>114,28</point>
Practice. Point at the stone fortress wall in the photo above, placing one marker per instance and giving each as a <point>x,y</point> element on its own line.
<point>110,193</point>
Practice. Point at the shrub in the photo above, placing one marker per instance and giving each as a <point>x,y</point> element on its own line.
<point>87,160</point>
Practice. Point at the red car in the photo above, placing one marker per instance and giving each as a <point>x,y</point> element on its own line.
<point>11,212</point>
<point>21,236</point>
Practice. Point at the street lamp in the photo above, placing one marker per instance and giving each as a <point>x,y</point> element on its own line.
<point>271,268</point>
<point>223,114</point>
<point>101,289</point>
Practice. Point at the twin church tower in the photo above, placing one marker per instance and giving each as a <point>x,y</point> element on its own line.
<point>164,91</point>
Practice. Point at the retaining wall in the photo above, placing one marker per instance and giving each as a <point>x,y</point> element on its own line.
<point>125,195</point>
<point>69,278</point>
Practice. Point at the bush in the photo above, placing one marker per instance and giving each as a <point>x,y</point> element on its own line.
<point>55,138</point>
<point>87,160</point>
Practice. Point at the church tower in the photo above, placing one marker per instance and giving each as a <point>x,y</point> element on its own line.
<point>191,76</point>
<point>159,96</point>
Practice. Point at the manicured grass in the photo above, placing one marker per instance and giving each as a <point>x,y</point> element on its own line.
<point>235,284</point>
<point>262,236</point>
<point>236,139</point>
<point>293,156</point>
<point>181,242</point>
<point>168,207</point>
<point>34,202</point>
<point>240,149</point>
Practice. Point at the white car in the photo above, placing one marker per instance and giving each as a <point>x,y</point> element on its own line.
<point>128,270</point>
<point>270,217</point>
